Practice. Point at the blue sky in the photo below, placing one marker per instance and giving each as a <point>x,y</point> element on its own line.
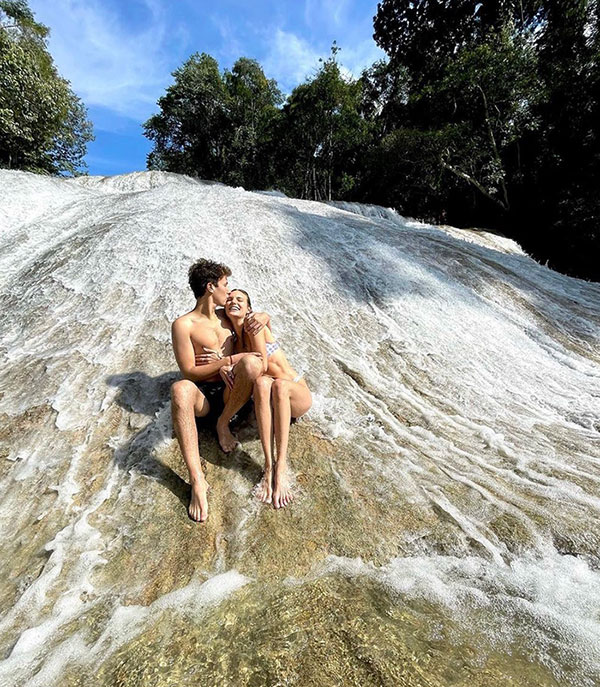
<point>119,54</point>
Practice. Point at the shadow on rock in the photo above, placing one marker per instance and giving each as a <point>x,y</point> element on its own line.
<point>141,395</point>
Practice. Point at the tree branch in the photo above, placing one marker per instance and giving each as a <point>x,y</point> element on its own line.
<point>474,182</point>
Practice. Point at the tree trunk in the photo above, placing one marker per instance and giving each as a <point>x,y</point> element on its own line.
<point>475,183</point>
<point>494,147</point>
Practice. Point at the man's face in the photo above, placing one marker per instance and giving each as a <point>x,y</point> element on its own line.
<point>221,291</point>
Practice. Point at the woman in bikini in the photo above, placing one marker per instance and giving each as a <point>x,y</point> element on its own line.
<point>279,394</point>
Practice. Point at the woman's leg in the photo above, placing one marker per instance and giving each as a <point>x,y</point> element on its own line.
<point>290,399</point>
<point>264,419</point>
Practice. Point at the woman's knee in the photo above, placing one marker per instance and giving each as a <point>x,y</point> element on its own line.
<point>280,389</point>
<point>251,365</point>
<point>262,385</point>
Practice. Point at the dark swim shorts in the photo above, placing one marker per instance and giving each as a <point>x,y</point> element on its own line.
<point>213,391</point>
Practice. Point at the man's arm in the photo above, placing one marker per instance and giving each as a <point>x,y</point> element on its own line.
<point>255,322</point>
<point>185,355</point>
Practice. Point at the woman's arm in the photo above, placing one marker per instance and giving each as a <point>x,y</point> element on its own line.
<point>258,344</point>
<point>203,359</point>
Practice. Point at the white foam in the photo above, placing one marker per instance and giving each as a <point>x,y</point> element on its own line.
<point>462,371</point>
<point>549,602</point>
<point>125,623</point>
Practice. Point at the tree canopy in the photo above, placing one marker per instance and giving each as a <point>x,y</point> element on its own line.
<point>483,113</point>
<point>43,124</point>
<point>506,95</point>
<point>215,125</point>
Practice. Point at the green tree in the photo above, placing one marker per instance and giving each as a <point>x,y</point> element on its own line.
<point>323,135</point>
<point>216,125</point>
<point>489,93</point>
<point>498,120</point>
<point>562,184</point>
<point>189,132</point>
<point>252,110</point>
<point>458,133</point>
<point>43,124</point>
<point>424,35</point>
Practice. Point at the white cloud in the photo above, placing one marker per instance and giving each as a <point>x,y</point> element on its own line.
<point>230,48</point>
<point>126,69</point>
<point>106,62</point>
<point>356,56</point>
<point>290,59</point>
<point>328,12</point>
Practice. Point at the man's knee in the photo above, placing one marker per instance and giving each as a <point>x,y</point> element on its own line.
<point>183,393</point>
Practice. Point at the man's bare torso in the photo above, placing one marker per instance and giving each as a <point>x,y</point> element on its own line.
<point>215,334</point>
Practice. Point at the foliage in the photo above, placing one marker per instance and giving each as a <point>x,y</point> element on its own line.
<point>253,101</point>
<point>43,125</point>
<point>215,125</point>
<point>484,113</point>
<point>506,94</point>
<point>188,133</point>
<point>323,135</point>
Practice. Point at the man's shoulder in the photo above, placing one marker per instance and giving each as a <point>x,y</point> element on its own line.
<point>188,323</point>
<point>184,321</point>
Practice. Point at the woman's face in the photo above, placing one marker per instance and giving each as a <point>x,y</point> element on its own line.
<point>236,304</point>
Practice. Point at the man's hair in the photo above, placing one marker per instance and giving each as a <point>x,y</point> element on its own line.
<point>206,272</point>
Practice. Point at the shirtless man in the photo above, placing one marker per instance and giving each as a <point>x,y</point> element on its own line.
<point>202,391</point>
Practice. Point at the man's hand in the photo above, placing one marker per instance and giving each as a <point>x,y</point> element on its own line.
<point>227,375</point>
<point>254,322</point>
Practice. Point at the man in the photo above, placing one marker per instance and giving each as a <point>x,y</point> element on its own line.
<point>201,391</point>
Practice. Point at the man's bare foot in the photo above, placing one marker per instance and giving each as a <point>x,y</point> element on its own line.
<point>198,508</point>
<point>264,489</point>
<point>282,494</point>
<point>226,439</point>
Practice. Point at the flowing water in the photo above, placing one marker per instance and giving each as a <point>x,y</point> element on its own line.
<point>446,525</point>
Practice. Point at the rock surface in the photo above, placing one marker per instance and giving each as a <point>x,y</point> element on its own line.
<point>445,530</point>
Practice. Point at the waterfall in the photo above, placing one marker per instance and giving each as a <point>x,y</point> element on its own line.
<point>448,473</point>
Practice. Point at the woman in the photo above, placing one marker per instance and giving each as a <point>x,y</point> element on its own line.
<point>279,394</point>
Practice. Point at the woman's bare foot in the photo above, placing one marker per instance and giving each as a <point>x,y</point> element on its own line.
<point>264,489</point>
<point>226,439</point>
<point>198,508</point>
<point>282,494</point>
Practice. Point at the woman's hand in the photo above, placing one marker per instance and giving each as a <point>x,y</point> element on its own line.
<point>254,322</point>
<point>209,357</point>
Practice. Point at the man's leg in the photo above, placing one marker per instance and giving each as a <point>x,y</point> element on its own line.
<point>187,403</point>
<point>246,371</point>
<point>264,419</point>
